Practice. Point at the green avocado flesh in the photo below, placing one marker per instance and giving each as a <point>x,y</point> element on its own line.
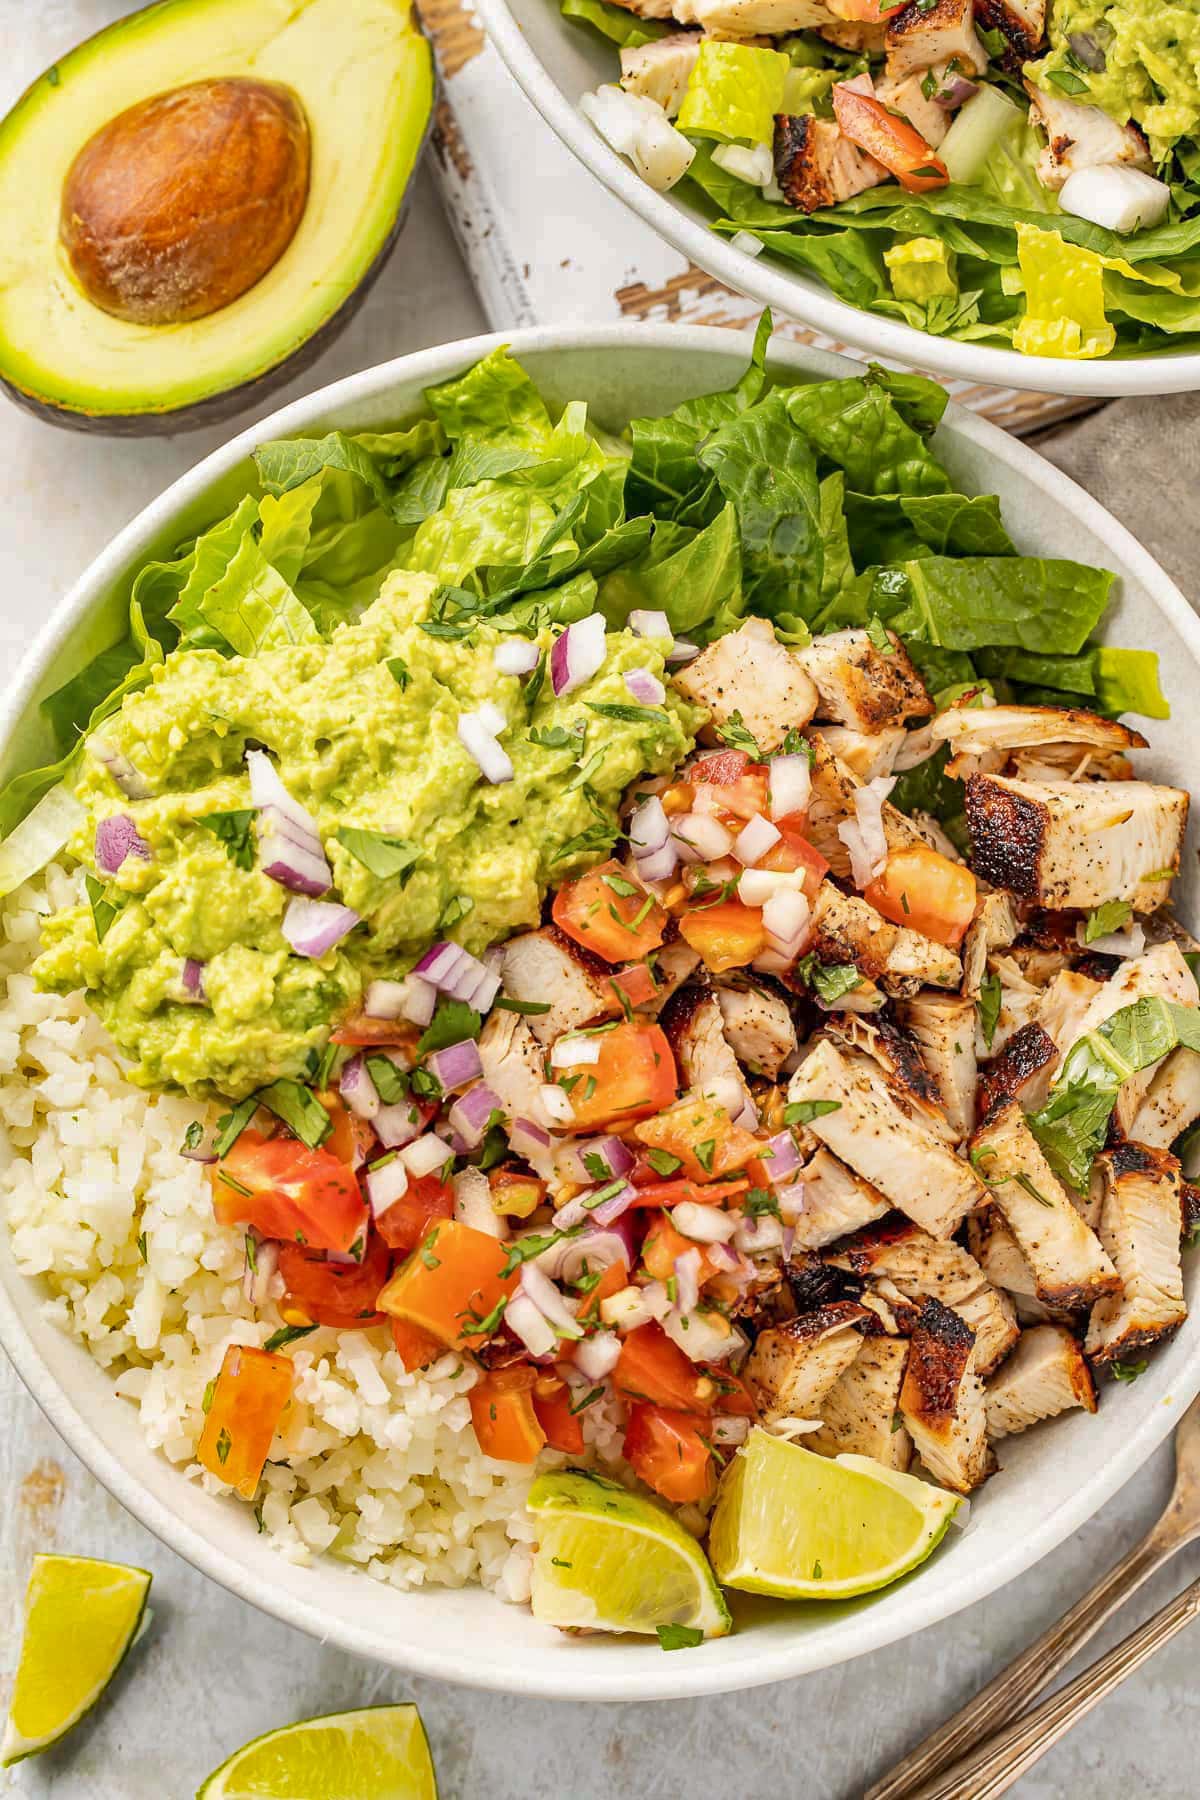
<point>363,74</point>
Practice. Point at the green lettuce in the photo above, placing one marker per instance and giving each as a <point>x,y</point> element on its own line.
<point>969,602</point>
<point>733,93</point>
<point>614,23</point>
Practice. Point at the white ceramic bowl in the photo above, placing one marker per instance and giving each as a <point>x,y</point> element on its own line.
<point>556,60</point>
<point>1053,1479</point>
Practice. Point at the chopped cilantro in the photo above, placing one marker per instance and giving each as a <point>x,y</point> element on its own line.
<point>1127,1371</point>
<point>704,1154</point>
<point>531,1007</point>
<point>1112,916</point>
<point>453,1022</point>
<point>224,1446</point>
<point>231,1125</point>
<point>679,1637</point>
<point>735,735</point>
<point>299,1109</point>
<point>662,1162</point>
<point>380,854</point>
<point>234,831</point>
<point>990,998</point>
<point>803,1112</point>
<point>399,671</point>
<point>287,1334</point>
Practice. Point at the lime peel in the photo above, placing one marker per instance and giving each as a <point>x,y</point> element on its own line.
<point>373,1753</point>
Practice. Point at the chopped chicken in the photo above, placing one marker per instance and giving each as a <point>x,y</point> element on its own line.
<point>981,739</point>
<point>907,97</point>
<point>759,1027</point>
<point>942,1400</point>
<point>696,1032</point>
<point>993,928</point>
<point>831,803</point>
<point>901,1061</point>
<point>648,9</point>
<point>816,165</point>
<point>867,754</point>
<point>1065,1006</point>
<point>661,70</point>
<point>846,929</point>
<point>513,1065</point>
<point>877,1132</point>
<point>836,1201</point>
<point>1045,1375</point>
<point>793,1366</point>
<point>1022,22</point>
<point>749,18</point>
<point>933,835</point>
<point>1082,137</point>
<point>1077,843</point>
<point>851,34</point>
<point>1020,1001</point>
<point>861,685</point>
<point>860,1415</point>
<point>1139,1226</point>
<point>996,1250</point>
<point>943,1026</point>
<point>749,672</point>
<point>545,967</point>
<point>1160,970</point>
<point>921,36</point>
<point>1022,1071</point>
<point>674,964</point>
<point>1172,1101</point>
<point>1069,1263</point>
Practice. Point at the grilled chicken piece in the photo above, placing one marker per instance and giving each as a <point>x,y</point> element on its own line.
<point>907,97</point>
<point>1172,1101</point>
<point>859,1413</point>
<point>878,1132</point>
<point>942,1400</point>
<point>1077,843</point>
<point>1082,137</point>
<point>695,1030</point>
<point>996,1250</point>
<point>815,165</point>
<point>1045,1375</point>
<point>982,739</point>
<point>862,686</point>
<point>943,1026</point>
<point>1020,1002</point>
<point>759,1027</point>
<point>836,1201</point>
<point>749,672</point>
<point>546,967</point>
<point>647,9</point>
<point>750,18</point>
<point>993,928</point>
<point>918,1266</point>
<point>851,34</point>
<point>846,928</point>
<point>793,1366</point>
<point>1069,1263</point>
<point>865,753</point>
<point>661,70</point>
<point>1023,23</point>
<point>513,1065</point>
<point>1065,1006</point>
<point>901,1061</point>
<point>1139,1226</point>
<point>1160,970</point>
<point>919,37</point>
<point>1021,1072</point>
<point>831,803</point>
<point>674,964</point>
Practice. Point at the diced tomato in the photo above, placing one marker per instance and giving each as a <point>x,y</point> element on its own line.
<point>614,1278</point>
<point>661,1247</point>
<point>732,1395</point>
<point>290,1192</point>
<point>610,914</point>
<point>451,1281</point>
<point>502,1412</point>
<point>794,852</point>
<point>407,1221</point>
<point>667,1449</point>
<point>415,1348</point>
<point>633,1076</point>
<point>351,1139</point>
<point>867,12</point>
<point>727,935</point>
<point>248,1400</point>
<point>741,784</point>
<point>343,1294</point>
<point>922,888</point>
<point>515,1193</point>
<point>890,139</point>
<point>635,985</point>
<point>672,1193</point>
<point>703,1136</point>
<point>653,1369</point>
<point>362,1032</point>
<point>552,1402</point>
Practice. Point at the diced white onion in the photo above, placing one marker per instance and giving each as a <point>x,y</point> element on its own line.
<point>756,886</point>
<point>700,838</point>
<point>747,243</point>
<point>703,1224</point>
<point>789,783</point>
<point>597,1356</point>
<point>638,128</point>
<point>864,836</point>
<point>1115,196</point>
<point>526,1322</point>
<point>785,921</point>
<point>477,735</point>
<point>574,1051</point>
<point>753,841</point>
<point>425,1156</point>
<point>754,165</point>
<point>516,656</point>
<point>556,1104</point>
<point>650,624</point>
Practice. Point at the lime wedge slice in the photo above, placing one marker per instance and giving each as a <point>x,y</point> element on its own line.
<point>807,1527</point>
<point>611,1561</point>
<point>377,1753</point>
<point>80,1619</point>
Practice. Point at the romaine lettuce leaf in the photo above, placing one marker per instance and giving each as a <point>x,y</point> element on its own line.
<point>614,23</point>
<point>733,93</point>
<point>695,577</point>
<point>966,603</point>
<point>1064,298</point>
<point>857,426</point>
<point>768,470</point>
<point>494,399</point>
<point>1101,678</point>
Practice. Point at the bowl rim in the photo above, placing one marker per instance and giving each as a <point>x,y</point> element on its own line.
<point>623,1681</point>
<point>796,296</point>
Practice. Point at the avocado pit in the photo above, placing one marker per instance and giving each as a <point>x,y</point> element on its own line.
<point>184,201</point>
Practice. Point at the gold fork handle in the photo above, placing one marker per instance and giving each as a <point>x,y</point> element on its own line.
<point>1012,1690</point>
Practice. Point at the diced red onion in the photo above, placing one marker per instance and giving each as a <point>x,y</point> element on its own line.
<point>133,785</point>
<point>957,92</point>
<point>730,1428</point>
<point>789,1238</point>
<point>300,871</point>
<point>792,1200</point>
<point>313,927</point>
<point>609,1211</point>
<point>578,653</point>
<point>574,1050</point>
<point>594,1250</point>
<point>649,828</point>
<point>516,656</point>
<point>614,1156</point>
<point>528,1139</point>
<point>682,651</point>
<point>358,1090</point>
<point>756,837</point>
<point>645,687</point>
<point>687,1280</point>
<point>527,1323</point>
<point>385,1182</point>
<point>783,1158</point>
<point>703,1224</point>
<point>550,1303</point>
<point>426,1156</point>
<point>557,1104</point>
<point>189,989</point>
<point>1089,51</point>
<point>289,843</point>
<point>598,1355</point>
<point>471,1111</point>
<point>480,742</point>
<point>659,865</point>
<point>456,972</point>
<point>699,838</point>
<point>205,1151</point>
<point>457,1065</point>
<point>259,1269</point>
<point>650,624</point>
<point>789,784</point>
<point>785,920</point>
<point>397,1125</point>
<point>116,838</point>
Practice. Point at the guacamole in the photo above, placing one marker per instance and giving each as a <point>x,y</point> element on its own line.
<point>363,730</point>
<point>1151,56</point>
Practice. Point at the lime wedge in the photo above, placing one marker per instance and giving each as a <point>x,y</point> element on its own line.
<point>807,1527</point>
<point>80,1619</point>
<point>611,1561</point>
<point>377,1753</point>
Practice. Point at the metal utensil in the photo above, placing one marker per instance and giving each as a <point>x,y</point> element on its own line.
<point>1004,1698</point>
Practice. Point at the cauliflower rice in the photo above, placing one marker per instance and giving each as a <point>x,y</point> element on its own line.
<point>379,1467</point>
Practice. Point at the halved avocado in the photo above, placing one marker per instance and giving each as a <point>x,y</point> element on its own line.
<point>361,76</point>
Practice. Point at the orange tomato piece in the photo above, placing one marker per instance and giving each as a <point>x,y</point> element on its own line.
<point>515,1193</point>
<point>552,1403</point>
<point>614,1278</point>
<point>667,1449</point>
<point>732,1395</point>
<point>703,1136</point>
<point>452,1280</point>
<point>794,852</point>
<point>921,888</point>
<point>662,1244</point>
<point>341,1294</point>
<point>361,1032</point>
<point>502,1412</point>
<point>407,1221</point>
<point>741,784</point>
<point>634,1075</point>
<point>866,12</point>
<point>653,1369</point>
<point>890,139</point>
<point>351,1139</point>
<point>727,935</point>
<point>610,914</point>
<point>287,1191</point>
<point>671,1193</point>
<point>248,1399</point>
<point>635,985</point>
<point>415,1348</point>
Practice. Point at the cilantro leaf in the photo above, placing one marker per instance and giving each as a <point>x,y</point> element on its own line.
<point>803,1112</point>
<point>679,1637</point>
<point>381,855</point>
<point>453,1021</point>
<point>735,736</point>
<point>1112,916</point>
<point>990,997</point>
<point>234,829</point>
<point>299,1109</point>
